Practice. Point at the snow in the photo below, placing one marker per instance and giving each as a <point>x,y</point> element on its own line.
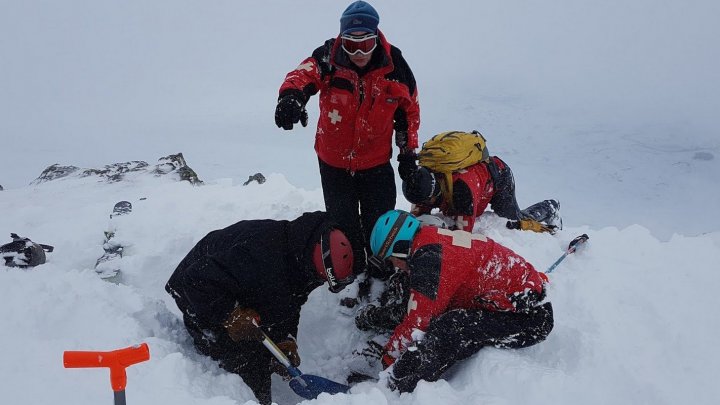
<point>607,106</point>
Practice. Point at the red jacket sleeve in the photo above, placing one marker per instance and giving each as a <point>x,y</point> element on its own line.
<point>430,295</point>
<point>421,310</point>
<point>412,111</point>
<point>305,78</point>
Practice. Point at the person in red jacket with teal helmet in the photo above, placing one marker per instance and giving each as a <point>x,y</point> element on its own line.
<point>466,292</point>
<point>367,92</point>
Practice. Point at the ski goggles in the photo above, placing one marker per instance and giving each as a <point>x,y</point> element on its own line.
<point>359,44</point>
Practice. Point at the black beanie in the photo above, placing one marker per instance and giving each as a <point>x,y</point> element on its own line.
<point>421,186</point>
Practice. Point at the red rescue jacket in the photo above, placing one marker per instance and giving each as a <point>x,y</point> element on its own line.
<point>359,108</point>
<point>455,270</point>
<point>473,189</point>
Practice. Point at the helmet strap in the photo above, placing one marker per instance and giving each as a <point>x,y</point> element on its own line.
<point>327,257</point>
<point>392,234</point>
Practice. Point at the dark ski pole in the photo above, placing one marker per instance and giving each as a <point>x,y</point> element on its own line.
<point>574,244</point>
<point>117,361</point>
<point>307,386</point>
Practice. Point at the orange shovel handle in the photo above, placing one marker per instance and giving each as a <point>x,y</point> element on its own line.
<point>115,360</point>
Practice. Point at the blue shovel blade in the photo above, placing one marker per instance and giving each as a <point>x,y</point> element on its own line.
<point>310,386</point>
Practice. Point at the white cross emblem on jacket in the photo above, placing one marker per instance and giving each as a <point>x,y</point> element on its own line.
<point>334,116</point>
<point>462,238</point>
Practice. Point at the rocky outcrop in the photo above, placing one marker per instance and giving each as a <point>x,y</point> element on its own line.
<point>171,165</point>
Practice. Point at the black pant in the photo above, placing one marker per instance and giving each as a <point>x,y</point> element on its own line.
<point>460,333</point>
<point>250,360</point>
<point>356,200</point>
<point>504,202</point>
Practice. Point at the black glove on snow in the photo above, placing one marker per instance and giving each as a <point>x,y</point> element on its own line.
<point>290,111</point>
<point>373,350</point>
<point>363,320</point>
<point>407,165</point>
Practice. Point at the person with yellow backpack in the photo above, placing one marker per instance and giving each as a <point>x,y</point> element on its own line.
<point>457,175</point>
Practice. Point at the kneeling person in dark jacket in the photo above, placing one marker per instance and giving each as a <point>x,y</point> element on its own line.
<point>257,271</point>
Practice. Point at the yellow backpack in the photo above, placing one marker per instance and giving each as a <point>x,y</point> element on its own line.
<point>451,151</point>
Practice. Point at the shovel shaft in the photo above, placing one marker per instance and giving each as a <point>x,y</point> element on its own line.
<point>280,356</point>
<point>119,397</point>
<point>307,386</point>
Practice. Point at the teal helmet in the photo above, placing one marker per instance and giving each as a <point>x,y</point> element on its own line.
<point>393,227</point>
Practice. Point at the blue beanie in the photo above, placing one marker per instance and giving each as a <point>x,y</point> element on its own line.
<point>359,16</point>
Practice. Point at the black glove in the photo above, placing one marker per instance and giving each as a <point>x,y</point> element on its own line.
<point>523,301</point>
<point>397,291</point>
<point>379,268</point>
<point>407,165</point>
<point>290,111</point>
<point>373,350</point>
<point>381,319</point>
<point>364,318</point>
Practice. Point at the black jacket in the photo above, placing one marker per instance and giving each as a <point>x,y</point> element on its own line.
<point>265,265</point>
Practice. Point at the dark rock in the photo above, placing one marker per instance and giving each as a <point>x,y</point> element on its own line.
<point>55,172</point>
<point>255,177</point>
<point>176,163</point>
<point>115,172</point>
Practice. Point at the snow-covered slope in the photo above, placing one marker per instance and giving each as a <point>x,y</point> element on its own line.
<point>634,320</point>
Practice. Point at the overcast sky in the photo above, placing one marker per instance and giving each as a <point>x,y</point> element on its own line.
<point>612,94</point>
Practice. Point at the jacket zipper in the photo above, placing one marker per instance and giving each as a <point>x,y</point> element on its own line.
<point>361,90</point>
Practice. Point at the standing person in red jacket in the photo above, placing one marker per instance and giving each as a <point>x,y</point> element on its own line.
<point>367,91</point>
<point>465,292</point>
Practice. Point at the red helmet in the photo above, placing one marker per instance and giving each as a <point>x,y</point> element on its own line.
<point>333,259</point>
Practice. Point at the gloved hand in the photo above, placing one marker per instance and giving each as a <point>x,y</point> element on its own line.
<point>381,319</point>
<point>290,110</point>
<point>526,300</point>
<point>240,324</point>
<point>407,165</point>
<point>379,268</point>
<point>373,351</point>
<point>363,320</point>
<point>289,349</point>
<point>397,290</point>
<point>531,225</point>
